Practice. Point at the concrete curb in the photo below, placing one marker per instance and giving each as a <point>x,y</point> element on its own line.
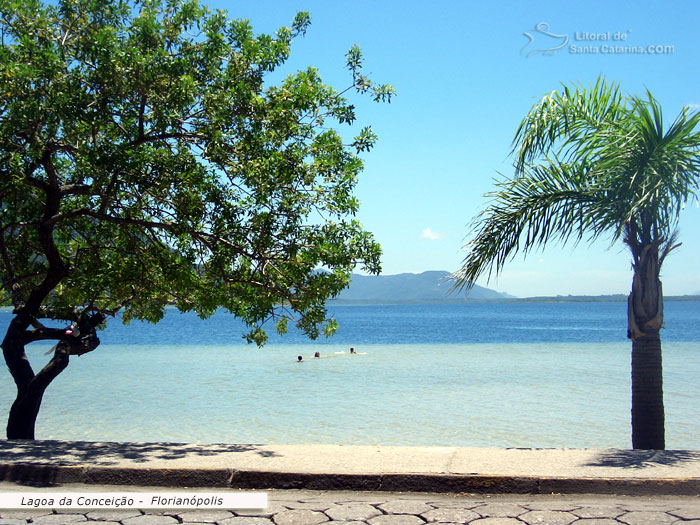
<point>47,474</point>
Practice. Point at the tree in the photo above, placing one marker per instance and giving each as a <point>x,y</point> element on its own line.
<point>593,163</point>
<point>146,160</point>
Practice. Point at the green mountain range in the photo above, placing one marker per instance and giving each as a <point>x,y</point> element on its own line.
<point>426,287</point>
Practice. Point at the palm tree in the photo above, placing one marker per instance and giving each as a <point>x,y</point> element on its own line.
<point>591,163</point>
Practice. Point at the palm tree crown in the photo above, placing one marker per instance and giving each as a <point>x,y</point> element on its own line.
<point>589,162</point>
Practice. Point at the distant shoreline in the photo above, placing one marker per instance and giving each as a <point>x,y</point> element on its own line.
<point>616,298</point>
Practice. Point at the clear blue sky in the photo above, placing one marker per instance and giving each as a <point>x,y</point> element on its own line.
<point>464,83</point>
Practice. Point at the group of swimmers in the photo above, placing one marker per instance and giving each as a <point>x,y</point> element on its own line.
<point>317,355</point>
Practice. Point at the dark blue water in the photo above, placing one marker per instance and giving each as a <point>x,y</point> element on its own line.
<point>517,322</point>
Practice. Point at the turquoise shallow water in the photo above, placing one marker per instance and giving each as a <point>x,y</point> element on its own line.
<point>502,395</point>
<point>488,375</point>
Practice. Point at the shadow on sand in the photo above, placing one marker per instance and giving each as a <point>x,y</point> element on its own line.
<point>637,459</point>
<point>50,463</point>
<point>111,453</point>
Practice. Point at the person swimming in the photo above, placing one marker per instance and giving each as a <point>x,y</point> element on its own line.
<point>352,350</point>
<point>317,354</point>
<point>299,358</point>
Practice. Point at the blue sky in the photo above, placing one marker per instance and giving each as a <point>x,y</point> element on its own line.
<point>464,82</point>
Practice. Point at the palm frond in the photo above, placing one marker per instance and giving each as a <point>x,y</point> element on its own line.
<point>668,246</point>
<point>658,171</point>
<point>546,203</point>
<point>566,119</point>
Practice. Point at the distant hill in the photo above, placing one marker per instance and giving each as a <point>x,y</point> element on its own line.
<point>426,287</point>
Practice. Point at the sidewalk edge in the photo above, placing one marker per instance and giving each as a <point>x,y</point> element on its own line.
<point>47,474</point>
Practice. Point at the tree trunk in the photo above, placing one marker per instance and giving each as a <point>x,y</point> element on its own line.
<point>647,393</point>
<point>30,387</point>
<point>21,422</point>
<point>645,320</point>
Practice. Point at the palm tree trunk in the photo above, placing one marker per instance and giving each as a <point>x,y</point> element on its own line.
<point>647,393</point>
<point>645,320</point>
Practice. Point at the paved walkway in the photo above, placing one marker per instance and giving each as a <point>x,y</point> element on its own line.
<point>369,468</point>
<point>364,485</point>
<point>387,508</point>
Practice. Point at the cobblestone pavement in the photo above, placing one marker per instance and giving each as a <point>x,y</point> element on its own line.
<point>377,508</point>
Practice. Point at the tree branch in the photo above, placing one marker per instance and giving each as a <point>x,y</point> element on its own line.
<point>77,189</point>
<point>163,136</point>
<point>45,334</point>
<point>57,269</point>
<point>142,109</point>
<point>55,366</point>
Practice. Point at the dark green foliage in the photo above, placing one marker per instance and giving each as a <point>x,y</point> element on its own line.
<point>179,175</point>
<point>144,160</point>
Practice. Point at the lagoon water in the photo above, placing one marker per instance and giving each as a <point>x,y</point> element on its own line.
<point>483,374</point>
